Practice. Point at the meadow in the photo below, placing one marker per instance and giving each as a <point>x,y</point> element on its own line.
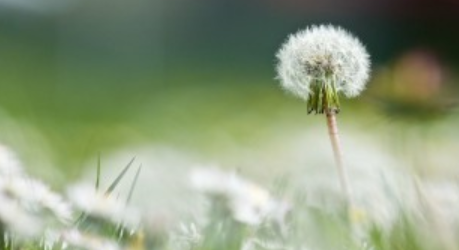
<point>111,141</point>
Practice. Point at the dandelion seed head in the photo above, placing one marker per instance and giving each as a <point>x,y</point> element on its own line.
<point>323,53</point>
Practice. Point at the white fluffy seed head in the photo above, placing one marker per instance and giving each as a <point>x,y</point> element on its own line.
<point>323,53</point>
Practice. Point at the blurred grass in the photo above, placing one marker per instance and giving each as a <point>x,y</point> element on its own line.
<point>77,109</point>
<point>98,111</point>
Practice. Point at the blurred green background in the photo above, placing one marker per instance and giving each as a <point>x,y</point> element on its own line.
<point>83,77</point>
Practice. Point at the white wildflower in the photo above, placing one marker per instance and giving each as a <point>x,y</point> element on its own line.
<point>98,204</point>
<point>88,242</point>
<point>16,219</point>
<point>318,62</point>
<point>52,201</point>
<point>248,202</point>
<point>24,202</point>
<point>36,196</point>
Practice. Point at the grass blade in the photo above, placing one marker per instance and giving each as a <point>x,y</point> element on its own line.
<point>134,182</point>
<point>98,172</point>
<point>119,177</point>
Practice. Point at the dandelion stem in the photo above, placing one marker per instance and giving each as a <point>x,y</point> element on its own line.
<point>337,153</point>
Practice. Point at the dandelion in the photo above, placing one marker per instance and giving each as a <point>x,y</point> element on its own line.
<point>316,65</point>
